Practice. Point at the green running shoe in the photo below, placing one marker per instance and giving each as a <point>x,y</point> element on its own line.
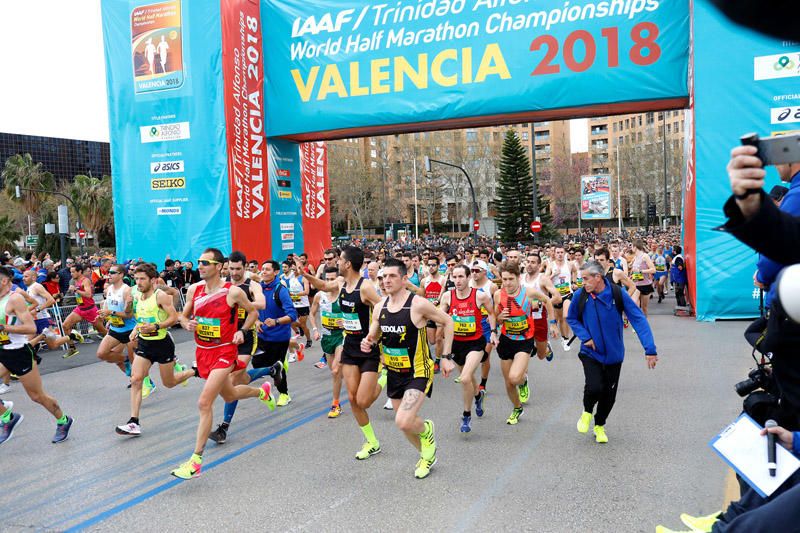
<point>513,418</point>
<point>584,421</point>
<point>188,470</point>
<point>148,387</point>
<point>524,391</point>
<point>424,467</point>
<point>368,450</point>
<point>427,441</point>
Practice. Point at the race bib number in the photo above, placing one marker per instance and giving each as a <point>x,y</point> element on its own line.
<point>396,358</point>
<point>464,325</point>
<point>208,328</point>
<point>351,323</point>
<point>637,276</point>
<point>295,297</point>
<point>516,325</point>
<point>579,283</point>
<point>563,287</point>
<point>78,299</point>
<point>331,321</point>
<point>147,320</point>
<point>241,314</point>
<point>661,268</point>
<point>4,338</point>
<point>116,321</point>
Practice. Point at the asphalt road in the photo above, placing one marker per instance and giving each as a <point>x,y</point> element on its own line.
<point>294,470</point>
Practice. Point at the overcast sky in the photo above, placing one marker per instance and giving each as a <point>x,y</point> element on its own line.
<point>53,81</point>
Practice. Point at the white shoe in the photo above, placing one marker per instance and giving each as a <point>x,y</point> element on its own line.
<point>388,405</point>
<point>292,357</point>
<point>4,388</point>
<point>565,345</point>
<point>9,405</point>
<point>130,429</point>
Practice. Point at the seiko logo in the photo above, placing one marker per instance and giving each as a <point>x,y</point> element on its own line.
<point>167,183</point>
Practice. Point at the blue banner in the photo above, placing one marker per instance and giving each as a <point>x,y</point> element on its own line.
<point>745,88</point>
<point>285,197</point>
<point>167,128</point>
<point>347,64</point>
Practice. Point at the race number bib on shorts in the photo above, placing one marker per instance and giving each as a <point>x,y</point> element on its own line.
<point>516,325</point>
<point>396,358</point>
<point>351,323</point>
<point>208,329</point>
<point>464,325</point>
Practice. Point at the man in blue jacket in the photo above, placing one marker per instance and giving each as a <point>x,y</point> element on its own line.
<point>599,327</point>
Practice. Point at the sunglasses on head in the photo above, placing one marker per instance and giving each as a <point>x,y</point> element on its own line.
<point>207,262</point>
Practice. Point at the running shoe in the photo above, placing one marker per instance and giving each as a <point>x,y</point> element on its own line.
<point>662,529</point>
<point>335,411</point>
<point>188,470</point>
<point>513,418</point>
<point>130,429</point>
<point>283,399</point>
<point>309,343</point>
<point>436,369</point>
<point>388,405</point>
<point>219,435</point>
<point>266,396</point>
<point>479,403</point>
<point>179,367</point>
<point>148,387</point>
<point>127,367</point>
<point>482,388</point>
<point>584,421</point>
<point>465,424</point>
<point>301,351</point>
<point>565,345</point>
<point>383,378</point>
<point>600,434</point>
<point>7,405</point>
<point>368,450</point>
<point>424,467</point>
<point>322,363</point>
<point>457,380</point>
<point>700,523</point>
<point>524,391</point>
<point>73,351</point>
<point>7,428</point>
<point>292,357</point>
<point>62,431</point>
<point>550,354</point>
<point>427,442</point>
<point>77,337</point>
<point>4,388</point>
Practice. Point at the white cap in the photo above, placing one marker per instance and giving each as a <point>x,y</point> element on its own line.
<point>479,264</point>
<point>380,273</point>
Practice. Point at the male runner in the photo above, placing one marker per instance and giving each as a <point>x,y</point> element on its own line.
<point>86,308</point>
<point>433,285</point>
<point>154,314</point>
<point>16,355</point>
<point>118,311</point>
<point>211,314</point>
<point>299,290</point>
<point>515,309</point>
<point>616,275</point>
<point>480,281</point>
<point>43,300</point>
<point>534,278</point>
<point>563,274</point>
<point>400,322</point>
<point>357,297</point>
<point>465,305</point>
<point>330,333</point>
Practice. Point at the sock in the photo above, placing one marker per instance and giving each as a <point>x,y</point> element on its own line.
<point>382,379</point>
<point>483,381</point>
<point>335,403</point>
<point>63,420</point>
<point>477,396</point>
<point>369,434</point>
<point>230,409</point>
<point>426,433</point>
<point>197,458</point>
<point>563,337</point>
<point>256,373</point>
<point>467,413</point>
<point>5,418</point>
<point>134,420</point>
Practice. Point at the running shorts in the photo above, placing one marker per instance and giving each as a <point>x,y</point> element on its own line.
<point>42,325</point>
<point>123,337</point>
<point>331,342</point>
<point>644,290</point>
<point>508,348</point>
<point>18,361</point>
<point>398,383</point>
<point>364,362</point>
<point>462,348</point>
<point>89,314</point>
<point>540,327</point>
<point>161,351</point>
<point>209,359</point>
<point>302,311</point>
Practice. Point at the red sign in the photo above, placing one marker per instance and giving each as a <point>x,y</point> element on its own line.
<point>283,173</point>
<point>315,203</point>
<point>536,227</point>
<point>243,81</point>
<point>476,225</point>
<point>82,233</point>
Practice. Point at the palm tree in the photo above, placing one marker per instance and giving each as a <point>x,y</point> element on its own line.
<point>9,233</point>
<point>93,198</point>
<point>21,170</point>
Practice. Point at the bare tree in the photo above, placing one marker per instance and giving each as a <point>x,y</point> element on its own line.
<point>355,191</point>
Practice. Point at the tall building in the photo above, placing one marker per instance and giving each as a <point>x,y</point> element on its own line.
<point>64,158</point>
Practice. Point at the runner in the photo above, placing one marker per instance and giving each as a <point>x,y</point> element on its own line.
<point>252,348</point>
<point>660,262</point>
<point>357,297</point>
<point>616,257</point>
<point>154,314</point>
<point>615,275</point>
<point>533,278</point>
<point>86,308</point>
<point>433,285</point>
<point>642,274</point>
<point>514,310</point>
<point>210,313</point>
<point>465,305</point>
<point>480,280</point>
<point>118,311</point>
<point>44,300</point>
<point>330,334</point>
<point>17,356</point>
<point>400,322</point>
<point>298,290</point>
<point>563,274</point>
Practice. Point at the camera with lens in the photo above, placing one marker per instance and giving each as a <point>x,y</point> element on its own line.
<point>758,378</point>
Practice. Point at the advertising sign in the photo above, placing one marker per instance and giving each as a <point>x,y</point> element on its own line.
<point>285,190</point>
<point>316,200</point>
<point>595,197</point>
<point>339,65</point>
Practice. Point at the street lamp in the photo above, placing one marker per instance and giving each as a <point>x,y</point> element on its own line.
<point>428,162</point>
<point>75,207</point>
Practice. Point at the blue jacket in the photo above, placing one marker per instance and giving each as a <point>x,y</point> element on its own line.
<point>767,268</point>
<point>280,332</point>
<point>603,324</point>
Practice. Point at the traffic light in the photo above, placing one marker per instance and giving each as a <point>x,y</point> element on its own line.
<point>651,210</point>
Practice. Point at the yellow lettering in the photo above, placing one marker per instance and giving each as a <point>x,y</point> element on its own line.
<point>355,88</point>
<point>305,88</point>
<point>492,63</point>
<point>331,83</point>
<point>418,77</point>
<point>436,68</point>
<point>379,75</point>
<point>466,65</point>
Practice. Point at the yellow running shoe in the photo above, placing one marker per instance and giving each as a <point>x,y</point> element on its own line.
<point>427,442</point>
<point>266,395</point>
<point>368,450</point>
<point>702,524</point>
<point>513,418</point>
<point>424,467</point>
<point>148,387</point>
<point>284,400</point>
<point>190,469</point>
<point>584,421</point>
<point>335,411</point>
<point>600,434</point>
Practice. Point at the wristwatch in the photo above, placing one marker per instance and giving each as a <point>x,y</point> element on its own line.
<point>448,356</point>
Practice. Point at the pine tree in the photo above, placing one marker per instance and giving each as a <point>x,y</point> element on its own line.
<point>514,191</point>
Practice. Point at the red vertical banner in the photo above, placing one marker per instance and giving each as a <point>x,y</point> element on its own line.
<point>243,80</point>
<point>689,193</point>
<point>316,201</point>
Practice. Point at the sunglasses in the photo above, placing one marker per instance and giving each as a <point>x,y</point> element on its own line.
<point>207,262</point>
<point>329,258</point>
<point>476,271</point>
<point>451,265</point>
<point>112,272</point>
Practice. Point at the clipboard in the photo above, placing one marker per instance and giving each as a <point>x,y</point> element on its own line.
<point>742,447</point>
